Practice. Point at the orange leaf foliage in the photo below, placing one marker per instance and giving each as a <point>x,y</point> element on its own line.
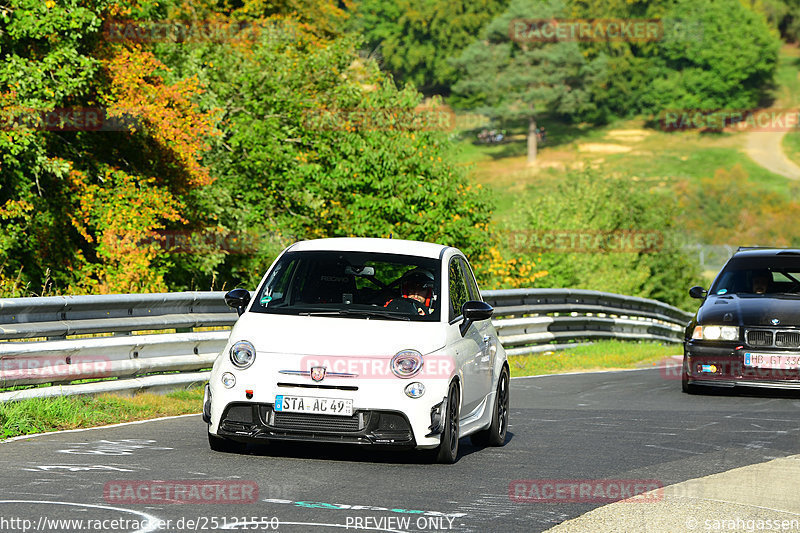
<point>172,119</point>
<point>120,215</point>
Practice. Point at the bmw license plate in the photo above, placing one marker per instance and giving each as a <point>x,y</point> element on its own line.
<point>766,360</point>
<point>311,405</point>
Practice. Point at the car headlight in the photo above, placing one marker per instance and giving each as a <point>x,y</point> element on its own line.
<point>228,380</point>
<point>406,363</point>
<point>415,390</point>
<point>243,353</point>
<point>716,333</point>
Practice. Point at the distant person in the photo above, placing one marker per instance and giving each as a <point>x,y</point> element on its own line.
<point>761,280</point>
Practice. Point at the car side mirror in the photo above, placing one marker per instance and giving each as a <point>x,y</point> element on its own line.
<point>698,292</point>
<point>238,299</point>
<point>474,311</point>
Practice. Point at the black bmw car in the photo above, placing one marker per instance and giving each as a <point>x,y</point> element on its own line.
<point>747,330</point>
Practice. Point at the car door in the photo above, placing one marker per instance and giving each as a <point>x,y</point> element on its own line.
<point>485,334</point>
<point>468,349</point>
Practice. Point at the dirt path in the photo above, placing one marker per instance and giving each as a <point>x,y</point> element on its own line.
<point>764,147</point>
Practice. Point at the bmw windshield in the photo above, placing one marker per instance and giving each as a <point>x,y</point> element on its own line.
<point>352,285</point>
<point>759,275</point>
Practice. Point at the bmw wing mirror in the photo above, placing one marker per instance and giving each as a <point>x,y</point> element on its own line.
<point>698,292</point>
<point>238,299</point>
<point>474,311</point>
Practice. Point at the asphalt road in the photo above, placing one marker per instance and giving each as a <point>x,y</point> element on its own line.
<point>618,425</point>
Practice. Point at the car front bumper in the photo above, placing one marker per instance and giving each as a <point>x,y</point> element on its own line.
<point>254,422</point>
<point>724,366</point>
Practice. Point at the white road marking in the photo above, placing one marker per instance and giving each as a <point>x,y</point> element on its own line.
<point>152,521</point>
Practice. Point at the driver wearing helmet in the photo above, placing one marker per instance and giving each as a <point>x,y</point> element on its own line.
<point>417,285</point>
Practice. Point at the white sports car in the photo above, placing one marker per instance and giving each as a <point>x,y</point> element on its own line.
<point>367,341</point>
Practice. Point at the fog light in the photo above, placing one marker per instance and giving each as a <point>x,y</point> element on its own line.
<point>228,380</point>
<point>415,390</point>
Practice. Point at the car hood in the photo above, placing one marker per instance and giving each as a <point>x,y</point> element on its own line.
<point>751,310</point>
<point>314,335</point>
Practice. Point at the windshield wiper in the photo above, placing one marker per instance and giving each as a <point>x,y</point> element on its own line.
<point>352,312</point>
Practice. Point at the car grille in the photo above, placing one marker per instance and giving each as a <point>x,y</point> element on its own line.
<point>307,422</point>
<point>787,339</point>
<point>759,338</point>
<point>778,339</point>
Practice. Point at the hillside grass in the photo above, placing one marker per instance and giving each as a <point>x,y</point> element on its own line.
<point>791,146</point>
<point>635,149</point>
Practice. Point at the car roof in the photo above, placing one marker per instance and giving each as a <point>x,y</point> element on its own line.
<point>367,244</point>
<point>765,252</point>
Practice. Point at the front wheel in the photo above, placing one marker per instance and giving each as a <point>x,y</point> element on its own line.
<point>447,452</point>
<point>495,434</point>
<point>685,385</point>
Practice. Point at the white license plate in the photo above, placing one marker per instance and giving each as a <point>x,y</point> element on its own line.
<point>311,405</point>
<point>769,360</point>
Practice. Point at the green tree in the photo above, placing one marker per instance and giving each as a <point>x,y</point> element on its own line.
<point>416,39</point>
<point>515,79</point>
<point>727,66</point>
<point>74,201</point>
<point>317,142</point>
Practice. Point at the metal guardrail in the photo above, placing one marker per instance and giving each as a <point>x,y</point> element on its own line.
<point>62,345</point>
<point>532,320</point>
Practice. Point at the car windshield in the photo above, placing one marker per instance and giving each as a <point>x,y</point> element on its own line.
<point>357,285</point>
<point>759,275</point>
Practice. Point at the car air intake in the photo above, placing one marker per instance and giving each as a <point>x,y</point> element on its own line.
<point>759,338</point>
<point>314,423</point>
<point>787,339</point>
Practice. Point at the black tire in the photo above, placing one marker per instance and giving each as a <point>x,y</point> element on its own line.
<point>447,452</point>
<point>685,386</point>
<point>221,444</point>
<point>495,434</point>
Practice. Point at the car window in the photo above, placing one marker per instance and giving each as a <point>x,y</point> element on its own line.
<point>352,285</point>
<point>759,275</point>
<point>458,288</point>
<point>472,288</point>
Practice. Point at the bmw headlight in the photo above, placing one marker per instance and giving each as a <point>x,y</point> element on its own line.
<point>406,363</point>
<point>716,333</point>
<point>243,353</point>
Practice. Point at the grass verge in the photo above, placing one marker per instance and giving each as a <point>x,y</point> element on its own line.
<point>40,415</point>
<point>603,355</point>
